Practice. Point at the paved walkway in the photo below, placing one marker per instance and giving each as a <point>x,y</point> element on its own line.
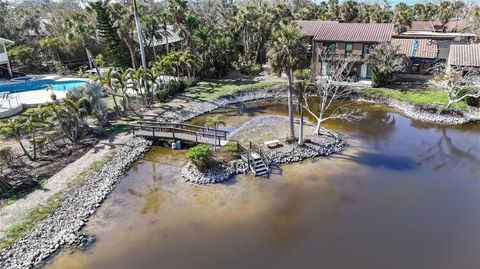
<point>18,211</point>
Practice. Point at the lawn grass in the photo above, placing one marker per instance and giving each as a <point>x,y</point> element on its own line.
<point>423,97</point>
<point>214,89</point>
<point>41,212</point>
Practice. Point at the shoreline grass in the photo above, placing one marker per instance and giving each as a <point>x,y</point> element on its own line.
<point>424,97</point>
<point>215,89</point>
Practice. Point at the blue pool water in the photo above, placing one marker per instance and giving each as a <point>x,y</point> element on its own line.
<point>40,84</point>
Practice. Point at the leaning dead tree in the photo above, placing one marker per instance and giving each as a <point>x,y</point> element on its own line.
<point>332,90</point>
<point>458,82</point>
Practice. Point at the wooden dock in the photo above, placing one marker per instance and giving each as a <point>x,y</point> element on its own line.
<point>180,131</point>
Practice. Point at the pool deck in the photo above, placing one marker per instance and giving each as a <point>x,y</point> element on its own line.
<point>32,98</point>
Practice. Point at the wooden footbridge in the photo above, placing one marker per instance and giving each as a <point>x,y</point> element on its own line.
<point>179,131</point>
<point>253,154</point>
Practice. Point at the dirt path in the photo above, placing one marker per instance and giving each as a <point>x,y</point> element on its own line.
<point>18,211</point>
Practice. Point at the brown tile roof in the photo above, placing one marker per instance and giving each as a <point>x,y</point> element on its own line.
<point>426,26</point>
<point>309,28</point>
<point>464,55</point>
<point>456,25</point>
<point>416,48</point>
<point>355,32</point>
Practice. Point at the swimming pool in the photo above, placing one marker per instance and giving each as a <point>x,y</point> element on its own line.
<point>41,84</point>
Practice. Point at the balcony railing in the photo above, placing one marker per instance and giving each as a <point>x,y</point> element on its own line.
<point>342,56</point>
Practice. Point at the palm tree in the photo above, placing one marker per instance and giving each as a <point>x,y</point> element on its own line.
<point>122,79</point>
<point>187,30</point>
<point>30,124</point>
<point>286,53</point>
<point>138,27</point>
<point>402,17</point>
<point>164,18</point>
<point>123,21</point>
<point>150,23</point>
<point>107,80</point>
<point>93,93</point>
<point>79,29</point>
<point>15,128</point>
<point>177,10</point>
<point>214,122</point>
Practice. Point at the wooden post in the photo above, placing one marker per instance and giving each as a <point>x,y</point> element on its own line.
<point>153,132</point>
<point>133,130</point>
<point>173,133</point>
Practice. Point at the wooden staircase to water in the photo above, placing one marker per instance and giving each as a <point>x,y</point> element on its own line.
<point>256,158</point>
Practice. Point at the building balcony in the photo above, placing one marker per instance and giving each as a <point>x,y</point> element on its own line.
<point>355,58</point>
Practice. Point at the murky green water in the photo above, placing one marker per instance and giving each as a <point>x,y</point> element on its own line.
<point>403,195</point>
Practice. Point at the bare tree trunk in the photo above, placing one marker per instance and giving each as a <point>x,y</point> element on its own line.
<point>290,102</point>
<point>132,54</point>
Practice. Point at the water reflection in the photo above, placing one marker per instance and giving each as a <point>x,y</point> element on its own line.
<point>444,153</point>
<point>380,160</point>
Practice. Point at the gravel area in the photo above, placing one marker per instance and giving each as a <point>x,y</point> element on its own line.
<point>64,225</point>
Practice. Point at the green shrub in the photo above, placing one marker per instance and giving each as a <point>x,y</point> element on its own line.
<point>250,68</point>
<point>6,157</point>
<point>302,74</point>
<point>172,88</point>
<point>22,53</point>
<point>199,155</point>
<point>471,101</point>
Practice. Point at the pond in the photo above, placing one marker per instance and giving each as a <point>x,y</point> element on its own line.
<point>404,194</point>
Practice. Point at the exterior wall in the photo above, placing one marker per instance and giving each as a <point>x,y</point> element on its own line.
<point>357,52</point>
<point>357,49</point>
<point>3,58</point>
<point>340,49</point>
<point>424,68</point>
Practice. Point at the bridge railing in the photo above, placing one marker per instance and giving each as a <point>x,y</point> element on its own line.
<point>205,131</point>
<point>158,130</point>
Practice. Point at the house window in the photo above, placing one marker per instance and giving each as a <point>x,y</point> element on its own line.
<point>1,49</point>
<point>330,48</point>
<point>366,49</point>
<point>348,49</point>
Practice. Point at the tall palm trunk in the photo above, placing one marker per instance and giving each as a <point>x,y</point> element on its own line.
<point>138,27</point>
<point>91,61</point>
<point>290,102</point>
<point>300,114</point>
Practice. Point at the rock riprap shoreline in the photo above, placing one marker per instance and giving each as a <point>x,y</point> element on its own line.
<point>196,108</point>
<point>63,227</point>
<point>429,114</point>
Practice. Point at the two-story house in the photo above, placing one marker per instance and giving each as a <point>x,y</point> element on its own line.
<point>340,40</point>
<point>4,62</point>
